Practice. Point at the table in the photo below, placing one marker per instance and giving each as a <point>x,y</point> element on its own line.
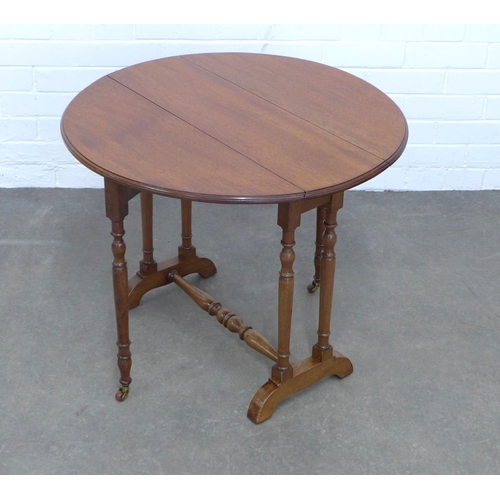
<point>234,128</point>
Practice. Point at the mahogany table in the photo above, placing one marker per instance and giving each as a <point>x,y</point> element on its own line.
<point>234,128</point>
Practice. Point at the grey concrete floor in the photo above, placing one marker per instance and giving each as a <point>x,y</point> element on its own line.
<point>416,309</point>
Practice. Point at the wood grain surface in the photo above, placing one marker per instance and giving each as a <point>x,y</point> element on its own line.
<point>234,128</point>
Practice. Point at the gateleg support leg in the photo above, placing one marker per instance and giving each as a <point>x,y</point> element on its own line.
<point>320,219</point>
<point>186,249</point>
<point>154,275</point>
<point>148,264</point>
<point>327,270</point>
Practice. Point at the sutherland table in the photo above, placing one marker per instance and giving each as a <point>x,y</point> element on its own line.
<point>234,128</point>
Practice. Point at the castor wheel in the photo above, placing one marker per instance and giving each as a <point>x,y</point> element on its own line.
<point>122,394</point>
<point>313,286</point>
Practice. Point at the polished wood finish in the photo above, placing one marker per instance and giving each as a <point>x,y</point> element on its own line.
<point>148,264</point>
<point>234,128</point>
<point>329,98</point>
<point>251,125</point>
<point>160,152</point>
<point>225,317</point>
<point>294,130</point>
<point>186,250</point>
<point>116,210</point>
<point>287,379</point>
<point>139,285</point>
<point>288,219</point>
<point>328,270</point>
<point>305,373</point>
<point>152,275</point>
<point>320,219</point>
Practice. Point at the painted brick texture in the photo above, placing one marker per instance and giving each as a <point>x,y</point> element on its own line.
<point>445,78</point>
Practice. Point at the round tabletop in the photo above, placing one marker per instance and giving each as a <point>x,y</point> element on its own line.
<point>234,128</point>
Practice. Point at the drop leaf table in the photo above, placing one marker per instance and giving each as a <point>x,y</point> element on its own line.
<point>234,128</point>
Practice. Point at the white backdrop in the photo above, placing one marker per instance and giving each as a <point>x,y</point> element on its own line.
<point>445,78</point>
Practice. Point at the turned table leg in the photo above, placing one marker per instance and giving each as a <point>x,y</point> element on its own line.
<point>148,264</point>
<point>116,210</point>
<point>186,249</point>
<point>154,275</point>
<point>288,220</point>
<point>320,219</point>
<point>327,276</point>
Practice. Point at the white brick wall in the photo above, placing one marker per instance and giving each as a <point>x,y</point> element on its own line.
<point>446,79</point>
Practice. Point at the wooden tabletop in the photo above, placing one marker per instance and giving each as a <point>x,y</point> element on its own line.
<point>234,128</point>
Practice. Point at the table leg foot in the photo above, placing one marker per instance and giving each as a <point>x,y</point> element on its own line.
<point>207,268</point>
<point>305,373</point>
<point>140,284</point>
<point>122,393</point>
<point>314,286</point>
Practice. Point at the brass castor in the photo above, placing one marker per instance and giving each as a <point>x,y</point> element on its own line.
<point>122,394</point>
<point>313,286</point>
